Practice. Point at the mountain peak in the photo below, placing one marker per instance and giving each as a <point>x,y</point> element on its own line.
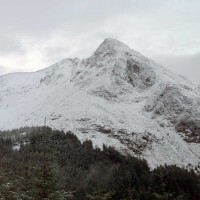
<point>111,44</point>
<point>117,97</point>
<point>112,41</point>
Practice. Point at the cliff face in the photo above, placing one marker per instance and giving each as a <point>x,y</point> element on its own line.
<point>117,97</point>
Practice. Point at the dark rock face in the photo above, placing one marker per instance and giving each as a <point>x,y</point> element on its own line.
<point>168,100</point>
<point>104,93</point>
<point>139,76</point>
<point>190,129</point>
<point>179,109</point>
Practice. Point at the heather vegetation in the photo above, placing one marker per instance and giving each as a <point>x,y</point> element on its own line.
<point>41,163</point>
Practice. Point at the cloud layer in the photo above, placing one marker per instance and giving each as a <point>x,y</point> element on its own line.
<point>35,34</point>
<point>185,65</point>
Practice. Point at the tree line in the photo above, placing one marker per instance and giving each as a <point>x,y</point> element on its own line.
<point>52,164</point>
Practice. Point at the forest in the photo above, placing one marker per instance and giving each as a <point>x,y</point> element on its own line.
<point>40,163</point>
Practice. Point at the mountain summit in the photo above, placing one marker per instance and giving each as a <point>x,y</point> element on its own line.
<point>115,97</point>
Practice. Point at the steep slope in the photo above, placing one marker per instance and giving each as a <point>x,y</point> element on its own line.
<point>117,97</point>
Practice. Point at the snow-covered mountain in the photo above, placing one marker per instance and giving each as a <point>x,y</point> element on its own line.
<point>117,97</point>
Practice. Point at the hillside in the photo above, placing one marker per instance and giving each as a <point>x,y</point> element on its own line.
<point>115,97</point>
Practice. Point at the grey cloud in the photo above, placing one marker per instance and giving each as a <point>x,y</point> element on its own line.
<point>40,18</point>
<point>55,54</point>
<point>10,44</point>
<point>185,65</point>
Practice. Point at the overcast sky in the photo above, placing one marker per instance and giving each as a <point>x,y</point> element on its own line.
<point>37,33</point>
